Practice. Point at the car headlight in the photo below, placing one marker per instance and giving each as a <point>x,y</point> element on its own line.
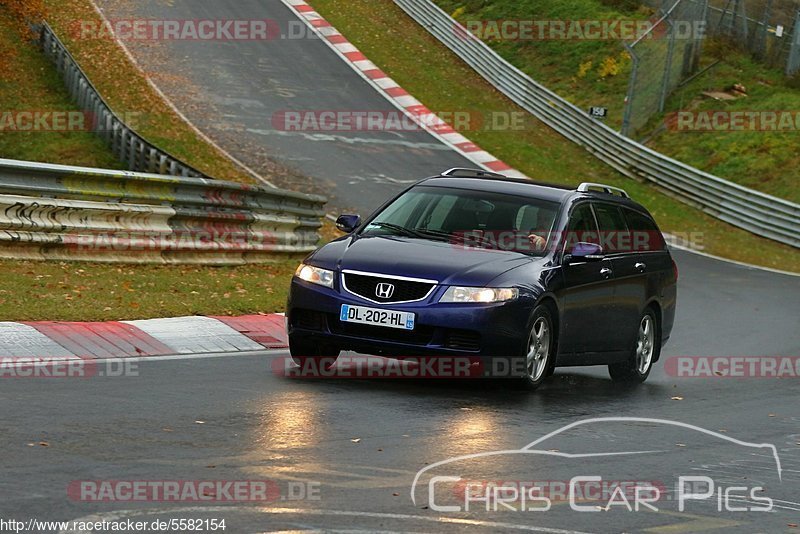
<point>315,275</point>
<point>479,294</point>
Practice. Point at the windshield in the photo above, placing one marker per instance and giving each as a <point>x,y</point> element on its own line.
<point>471,218</point>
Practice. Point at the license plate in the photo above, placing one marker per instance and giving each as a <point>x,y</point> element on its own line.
<point>376,317</point>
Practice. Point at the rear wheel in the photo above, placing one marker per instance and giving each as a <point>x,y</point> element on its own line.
<point>539,349</point>
<point>648,347</point>
<point>312,357</point>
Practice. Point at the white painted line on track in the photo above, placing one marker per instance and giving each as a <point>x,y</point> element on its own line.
<point>174,108</point>
<point>203,356</point>
<point>728,260</point>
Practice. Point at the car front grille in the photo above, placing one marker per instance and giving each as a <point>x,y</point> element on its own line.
<point>402,290</point>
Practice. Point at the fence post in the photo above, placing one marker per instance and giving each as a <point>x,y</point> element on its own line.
<point>761,33</point>
<point>667,66</point>
<point>793,61</point>
<point>626,116</point>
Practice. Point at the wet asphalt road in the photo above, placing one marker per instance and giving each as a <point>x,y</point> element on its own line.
<point>356,445</point>
<point>234,90</point>
<point>298,433</point>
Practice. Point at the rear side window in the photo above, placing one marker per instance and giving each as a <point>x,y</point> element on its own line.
<point>614,234</point>
<point>581,228</point>
<point>646,237</point>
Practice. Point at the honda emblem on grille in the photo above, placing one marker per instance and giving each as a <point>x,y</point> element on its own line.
<point>384,291</point>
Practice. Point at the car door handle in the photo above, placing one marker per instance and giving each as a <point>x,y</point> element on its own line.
<point>605,272</point>
<point>640,267</point>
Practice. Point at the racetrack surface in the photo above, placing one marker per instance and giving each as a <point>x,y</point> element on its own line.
<point>232,90</point>
<point>362,441</point>
<point>256,424</point>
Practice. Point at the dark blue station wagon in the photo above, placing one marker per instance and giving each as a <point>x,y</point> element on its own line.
<point>471,263</point>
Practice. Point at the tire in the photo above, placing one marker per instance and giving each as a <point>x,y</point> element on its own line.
<point>539,350</point>
<point>311,356</point>
<point>646,350</point>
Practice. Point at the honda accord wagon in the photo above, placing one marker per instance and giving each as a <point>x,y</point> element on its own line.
<point>472,263</point>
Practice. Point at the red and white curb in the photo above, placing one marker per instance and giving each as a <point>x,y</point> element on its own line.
<point>135,339</point>
<point>398,96</point>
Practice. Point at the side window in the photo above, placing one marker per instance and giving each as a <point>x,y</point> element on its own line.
<point>645,235</point>
<point>614,234</point>
<point>581,227</point>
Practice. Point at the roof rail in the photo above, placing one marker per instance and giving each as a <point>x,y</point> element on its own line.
<point>460,172</point>
<point>585,187</point>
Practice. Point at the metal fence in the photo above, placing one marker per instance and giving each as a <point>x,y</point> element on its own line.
<point>128,146</point>
<point>745,208</point>
<point>77,213</point>
<point>768,29</point>
<point>662,58</point>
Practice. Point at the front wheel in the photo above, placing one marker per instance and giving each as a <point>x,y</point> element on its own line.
<point>539,349</point>
<point>648,347</point>
<point>312,357</point>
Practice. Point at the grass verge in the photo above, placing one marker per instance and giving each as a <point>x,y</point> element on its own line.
<point>30,84</point>
<point>433,74</point>
<point>72,291</point>
<point>124,87</point>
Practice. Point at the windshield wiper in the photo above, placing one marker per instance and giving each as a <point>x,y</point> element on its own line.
<point>419,233</point>
<point>408,232</point>
<point>461,237</point>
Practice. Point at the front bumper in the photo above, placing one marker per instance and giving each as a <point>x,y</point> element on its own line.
<point>481,330</point>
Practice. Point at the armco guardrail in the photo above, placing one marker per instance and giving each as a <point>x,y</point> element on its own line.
<point>76,213</point>
<point>745,208</point>
<point>129,147</point>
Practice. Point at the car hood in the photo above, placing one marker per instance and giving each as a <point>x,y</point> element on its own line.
<point>448,263</point>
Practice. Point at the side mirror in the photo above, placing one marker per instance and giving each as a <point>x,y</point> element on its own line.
<point>584,252</point>
<point>348,223</point>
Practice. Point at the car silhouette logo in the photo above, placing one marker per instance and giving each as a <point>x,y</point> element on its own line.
<point>384,291</point>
